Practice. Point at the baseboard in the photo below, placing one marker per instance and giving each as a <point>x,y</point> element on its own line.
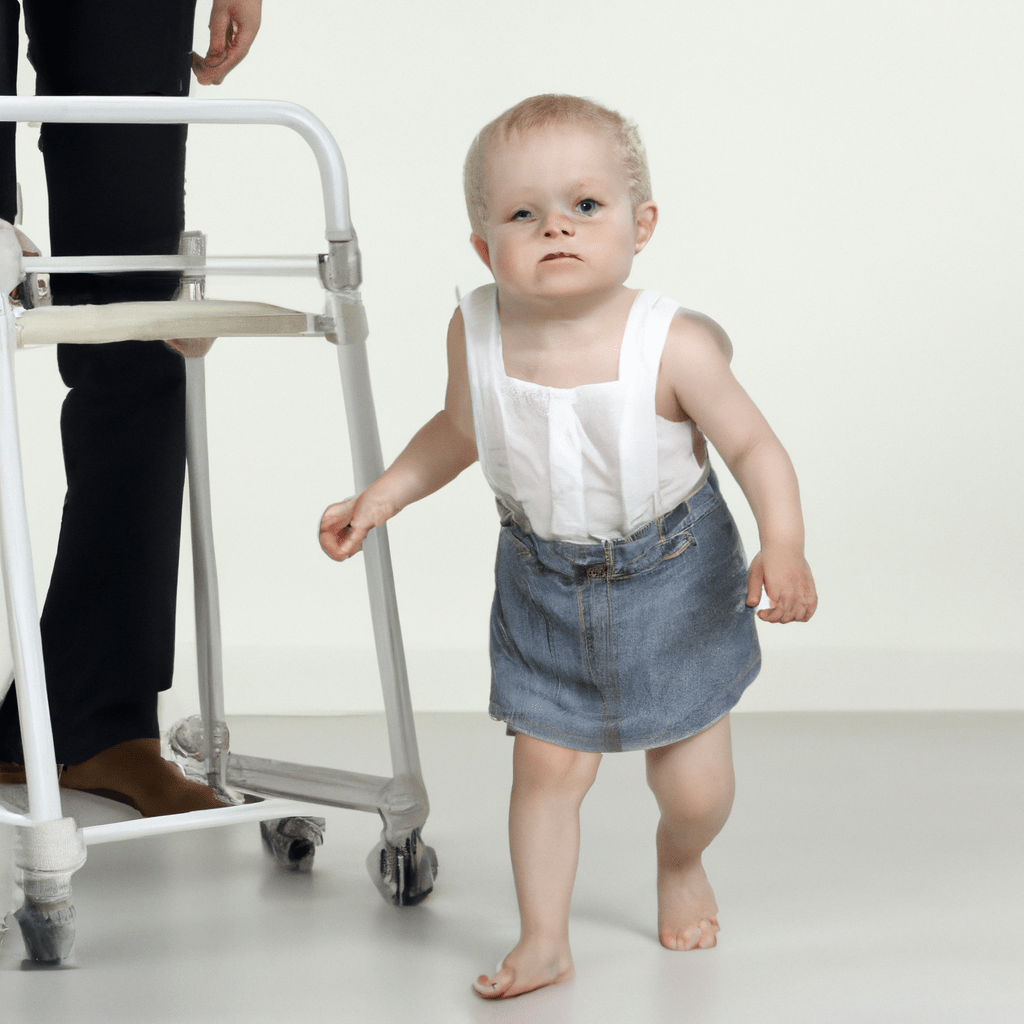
<point>887,679</point>
<point>330,681</point>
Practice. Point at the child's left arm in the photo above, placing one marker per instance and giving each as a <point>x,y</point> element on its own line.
<point>698,371</point>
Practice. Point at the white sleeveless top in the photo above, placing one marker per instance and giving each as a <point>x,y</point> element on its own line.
<point>584,464</point>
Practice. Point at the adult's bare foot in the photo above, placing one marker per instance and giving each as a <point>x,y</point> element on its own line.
<point>687,911</point>
<point>135,771</point>
<point>531,965</point>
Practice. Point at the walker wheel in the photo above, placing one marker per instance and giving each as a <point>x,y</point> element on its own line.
<point>404,875</point>
<point>48,930</point>
<point>293,841</point>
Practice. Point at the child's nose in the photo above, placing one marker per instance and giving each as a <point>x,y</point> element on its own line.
<point>557,223</point>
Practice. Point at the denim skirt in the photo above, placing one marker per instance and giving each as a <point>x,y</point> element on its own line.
<point>628,644</point>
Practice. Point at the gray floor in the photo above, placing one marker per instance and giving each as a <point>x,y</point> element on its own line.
<point>871,872</point>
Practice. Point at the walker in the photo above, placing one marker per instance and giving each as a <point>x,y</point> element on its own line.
<point>49,848</point>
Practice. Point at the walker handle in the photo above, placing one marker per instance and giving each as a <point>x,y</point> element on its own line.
<point>175,110</point>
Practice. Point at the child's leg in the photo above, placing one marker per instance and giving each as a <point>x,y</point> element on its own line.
<point>693,783</point>
<point>548,786</point>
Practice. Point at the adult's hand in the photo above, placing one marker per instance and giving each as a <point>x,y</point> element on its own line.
<point>191,348</point>
<point>233,27</point>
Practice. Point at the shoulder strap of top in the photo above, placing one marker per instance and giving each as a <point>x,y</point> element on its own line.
<point>480,314</point>
<point>483,354</point>
<point>644,338</point>
<point>480,318</point>
<point>639,362</point>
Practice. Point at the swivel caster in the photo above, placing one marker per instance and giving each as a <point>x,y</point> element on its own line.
<point>48,930</point>
<point>293,841</point>
<point>404,875</point>
<point>46,855</point>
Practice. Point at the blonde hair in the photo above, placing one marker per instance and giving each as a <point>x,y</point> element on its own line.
<point>539,112</point>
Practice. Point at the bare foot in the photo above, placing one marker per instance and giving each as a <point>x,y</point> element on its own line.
<point>135,772</point>
<point>687,911</point>
<point>529,966</point>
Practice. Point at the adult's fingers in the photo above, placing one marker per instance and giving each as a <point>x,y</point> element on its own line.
<point>233,27</point>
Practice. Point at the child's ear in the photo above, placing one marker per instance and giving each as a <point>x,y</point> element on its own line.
<point>646,219</point>
<point>482,251</point>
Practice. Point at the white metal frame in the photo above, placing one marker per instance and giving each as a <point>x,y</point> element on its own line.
<point>402,867</point>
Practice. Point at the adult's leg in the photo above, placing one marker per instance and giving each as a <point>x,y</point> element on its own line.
<point>108,620</point>
<point>693,783</point>
<point>548,786</point>
<point>9,17</point>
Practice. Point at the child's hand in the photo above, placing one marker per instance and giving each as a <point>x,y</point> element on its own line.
<point>787,581</point>
<point>343,527</point>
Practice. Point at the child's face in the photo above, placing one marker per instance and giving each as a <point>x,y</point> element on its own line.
<point>560,221</point>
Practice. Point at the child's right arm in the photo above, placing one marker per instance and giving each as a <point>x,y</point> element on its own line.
<point>441,450</point>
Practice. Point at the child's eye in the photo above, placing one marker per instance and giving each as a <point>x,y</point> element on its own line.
<point>587,206</point>
<point>522,215</point>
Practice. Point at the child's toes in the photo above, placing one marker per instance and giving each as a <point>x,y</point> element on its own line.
<point>483,986</point>
<point>698,936</point>
<point>495,986</point>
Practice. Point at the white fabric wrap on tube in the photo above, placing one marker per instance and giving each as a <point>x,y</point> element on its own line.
<point>49,847</point>
<point>11,273</point>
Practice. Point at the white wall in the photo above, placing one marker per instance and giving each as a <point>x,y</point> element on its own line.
<point>840,186</point>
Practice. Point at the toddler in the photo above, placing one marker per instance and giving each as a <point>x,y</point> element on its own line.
<point>623,614</point>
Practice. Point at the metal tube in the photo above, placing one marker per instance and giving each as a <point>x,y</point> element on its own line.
<point>204,570</point>
<point>20,590</point>
<point>329,786</point>
<point>13,818</point>
<point>173,110</point>
<point>187,266</point>
<point>138,828</point>
<point>368,464</point>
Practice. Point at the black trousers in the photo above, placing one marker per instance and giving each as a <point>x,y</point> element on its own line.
<point>108,619</point>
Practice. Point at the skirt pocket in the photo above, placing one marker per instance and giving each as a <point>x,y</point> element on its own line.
<point>675,545</point>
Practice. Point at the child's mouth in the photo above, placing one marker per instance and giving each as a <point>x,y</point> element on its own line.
<point>560,256</point>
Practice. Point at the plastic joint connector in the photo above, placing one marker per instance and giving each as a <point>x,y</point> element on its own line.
<point>341,268</point>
